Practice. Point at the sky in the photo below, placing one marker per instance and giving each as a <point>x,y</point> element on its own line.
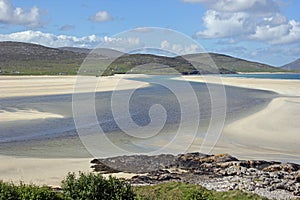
<point>266,31</point>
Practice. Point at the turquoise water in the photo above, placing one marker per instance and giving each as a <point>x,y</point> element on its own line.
<point>266,76</point>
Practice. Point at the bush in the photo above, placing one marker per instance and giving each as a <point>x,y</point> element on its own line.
<point>94,186</point>
<point>8,191</point>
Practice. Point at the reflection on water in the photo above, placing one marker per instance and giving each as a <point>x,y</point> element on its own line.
<point>55,137</point>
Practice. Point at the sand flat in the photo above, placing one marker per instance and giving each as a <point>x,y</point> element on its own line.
<point>23,86</point>
<point>283,87</point>
<point>272,133</point>
<point>40,171</point>
<point>275,127</point>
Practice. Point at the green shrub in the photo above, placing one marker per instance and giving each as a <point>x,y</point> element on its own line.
<point>8,191</point>
<point>32,192</point>
<point>94,186</point>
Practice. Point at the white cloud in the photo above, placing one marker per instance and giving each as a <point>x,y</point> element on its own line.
<point>179,49</point>
<point>282,34</point>
<point>255,6</point>
<point>51,40</point>
<point>91,41</point>
<point>258,20</point>
<point>101,16</point>
<point>219,24</point>
<point>18,16</point>
<point>124,44</point>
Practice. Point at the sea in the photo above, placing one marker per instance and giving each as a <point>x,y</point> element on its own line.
<point>266,76</point>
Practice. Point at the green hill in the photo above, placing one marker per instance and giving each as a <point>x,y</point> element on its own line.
<point>295,65</point>
<point>26,58</point>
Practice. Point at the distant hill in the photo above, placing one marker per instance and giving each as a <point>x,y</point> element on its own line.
<point>27,58</point>
<point>295,65</point>
<point>76,49</point>
<point>154,64</point>
<point>230,63</point>
<point>19,51</point>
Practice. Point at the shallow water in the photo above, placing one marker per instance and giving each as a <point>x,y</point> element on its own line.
<point>267,76</point>
<point>59,138</point>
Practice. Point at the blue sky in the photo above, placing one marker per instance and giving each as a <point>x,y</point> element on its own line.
<point>267,31</point>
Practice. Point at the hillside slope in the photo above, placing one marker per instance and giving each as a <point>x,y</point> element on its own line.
<point>26,58</point>
<point>295,65</point>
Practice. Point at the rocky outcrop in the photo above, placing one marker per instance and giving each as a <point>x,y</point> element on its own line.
<point>135,163</point>
<point>218,172</point>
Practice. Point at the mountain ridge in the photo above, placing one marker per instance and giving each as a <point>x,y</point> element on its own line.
<point>34,59</point>
<point>294,65</point>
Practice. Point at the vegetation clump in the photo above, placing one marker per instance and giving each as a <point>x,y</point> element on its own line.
<point>9,191</point>
<point>95,186</point>
<point>92,186</point>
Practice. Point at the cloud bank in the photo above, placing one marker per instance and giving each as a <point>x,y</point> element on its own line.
<point>258,20</point>
<point>52,40</point>
<point>11,15</point>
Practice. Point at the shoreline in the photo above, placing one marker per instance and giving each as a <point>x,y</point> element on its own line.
<point>267,73</point>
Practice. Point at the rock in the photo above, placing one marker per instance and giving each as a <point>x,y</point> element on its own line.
<point>288,167</point>
<point>219,172</point>
<point>258,164</point>
<point>219,158</point>
<point>297,178</point>
<point>195,160</point>
<point>137,163</point>
<point>102,168</point>
<point>251,187</point>
<point>280,186</point>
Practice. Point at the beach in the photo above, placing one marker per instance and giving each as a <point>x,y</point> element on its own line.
<point>270,133</point>
<point>22,86</point>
